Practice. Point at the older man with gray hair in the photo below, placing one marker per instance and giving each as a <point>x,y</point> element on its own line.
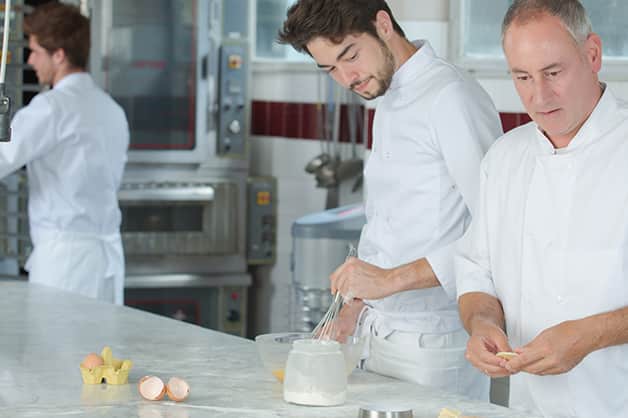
<point>542,276</point>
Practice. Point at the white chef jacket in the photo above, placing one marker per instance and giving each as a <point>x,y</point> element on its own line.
<point>73,140</point>
<point>431,131</point>
<point>551,242</point>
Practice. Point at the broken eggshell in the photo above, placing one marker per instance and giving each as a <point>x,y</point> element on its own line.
<point>151,388</point>
<point>177,389</point>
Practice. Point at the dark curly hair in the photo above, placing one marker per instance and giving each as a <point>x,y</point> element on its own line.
<point>61,26</point>
<point>331,19</point>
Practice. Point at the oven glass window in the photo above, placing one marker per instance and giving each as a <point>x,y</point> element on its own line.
<point>151,218</point>
<point>151,70</point>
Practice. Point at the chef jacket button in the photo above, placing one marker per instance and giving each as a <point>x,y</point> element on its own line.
<point>560,299</point>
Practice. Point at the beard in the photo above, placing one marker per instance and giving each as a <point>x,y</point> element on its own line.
<point>382,77</point>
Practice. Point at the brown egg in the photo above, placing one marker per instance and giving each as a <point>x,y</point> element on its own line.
<point>177,389</point>
<point>92,360</point>
<point>151,388</point>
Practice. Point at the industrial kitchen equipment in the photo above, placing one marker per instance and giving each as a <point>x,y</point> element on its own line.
<point>320,243</point>
<point>180,69</point>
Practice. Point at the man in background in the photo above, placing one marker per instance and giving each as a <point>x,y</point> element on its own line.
<point>545,268</point>
<point>432,126</point>
<point>73,140</point>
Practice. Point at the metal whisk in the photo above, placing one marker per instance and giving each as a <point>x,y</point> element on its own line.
<point>326,328</point>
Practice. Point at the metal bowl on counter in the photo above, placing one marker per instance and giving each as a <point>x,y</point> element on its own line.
<point>379,413</point>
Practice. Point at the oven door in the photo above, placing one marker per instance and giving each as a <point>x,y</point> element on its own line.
<point>180,228</point>
<point>211,301</point>
<point>159,61</point>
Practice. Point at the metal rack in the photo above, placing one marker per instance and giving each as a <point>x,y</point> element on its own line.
<point>22,86</point>
<point>15,243</point>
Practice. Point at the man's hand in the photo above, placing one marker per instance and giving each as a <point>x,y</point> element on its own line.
<point>554,351</point>
<point>358,279</point>
<point>347,320</point>
<point>483,317</point>
<point>487,340</point>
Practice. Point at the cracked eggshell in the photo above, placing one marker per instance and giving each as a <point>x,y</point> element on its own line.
<point>177,389</point>
<point>151,388</point>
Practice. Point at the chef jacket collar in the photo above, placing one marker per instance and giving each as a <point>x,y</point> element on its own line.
<point>73,79</point>
<point>414,66</point>
<point>600,120</point>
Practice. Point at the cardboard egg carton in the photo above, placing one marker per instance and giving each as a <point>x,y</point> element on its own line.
<point>113,371</point>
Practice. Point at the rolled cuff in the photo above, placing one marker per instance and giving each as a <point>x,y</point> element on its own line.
<point>469,278</point>
<point>442,263</point>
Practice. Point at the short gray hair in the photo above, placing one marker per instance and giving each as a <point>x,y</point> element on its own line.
<point>570,12</point>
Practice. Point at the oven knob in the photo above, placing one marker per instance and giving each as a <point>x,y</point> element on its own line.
<point>233,315</point>
<point>234,127</point>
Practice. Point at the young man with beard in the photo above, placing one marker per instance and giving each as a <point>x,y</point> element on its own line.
<point>432,126</point>
<point>544,271</point>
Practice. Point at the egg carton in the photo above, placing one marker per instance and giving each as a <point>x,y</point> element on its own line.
<point>113,371</point>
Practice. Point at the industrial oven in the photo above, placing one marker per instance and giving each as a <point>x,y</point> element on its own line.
<point>180,70</point>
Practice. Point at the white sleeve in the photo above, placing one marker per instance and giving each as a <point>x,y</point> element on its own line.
<point>33,132</point>
<point>472,261</point>
<point>465,124</point>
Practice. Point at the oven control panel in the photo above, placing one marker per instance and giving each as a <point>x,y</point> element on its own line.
<point>233,310</point>
<point>233,99</point>
<point>262,220</point>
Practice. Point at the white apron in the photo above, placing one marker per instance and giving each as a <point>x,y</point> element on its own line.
<point>394,348</point>
<point>91,265</point>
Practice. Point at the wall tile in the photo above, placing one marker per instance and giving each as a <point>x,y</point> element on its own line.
<point>312,121</point>
<point>524,118</point>
<point>259,118</point>
<point>276,119</point>
<point>509,120</point>
<point>299,120</point>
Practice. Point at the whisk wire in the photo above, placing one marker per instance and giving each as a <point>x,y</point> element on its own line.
<point>326,328</point>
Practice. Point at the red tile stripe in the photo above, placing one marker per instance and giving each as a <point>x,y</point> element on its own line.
<point>304,121</point>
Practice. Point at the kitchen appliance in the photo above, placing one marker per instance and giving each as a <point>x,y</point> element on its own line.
<point>192,225</point>
<point>211,301</point>
<point>180,69</point>
<point>320,243</point>
<point>184,245</point>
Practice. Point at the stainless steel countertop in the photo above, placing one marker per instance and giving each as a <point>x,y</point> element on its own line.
<point>45,333</point>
